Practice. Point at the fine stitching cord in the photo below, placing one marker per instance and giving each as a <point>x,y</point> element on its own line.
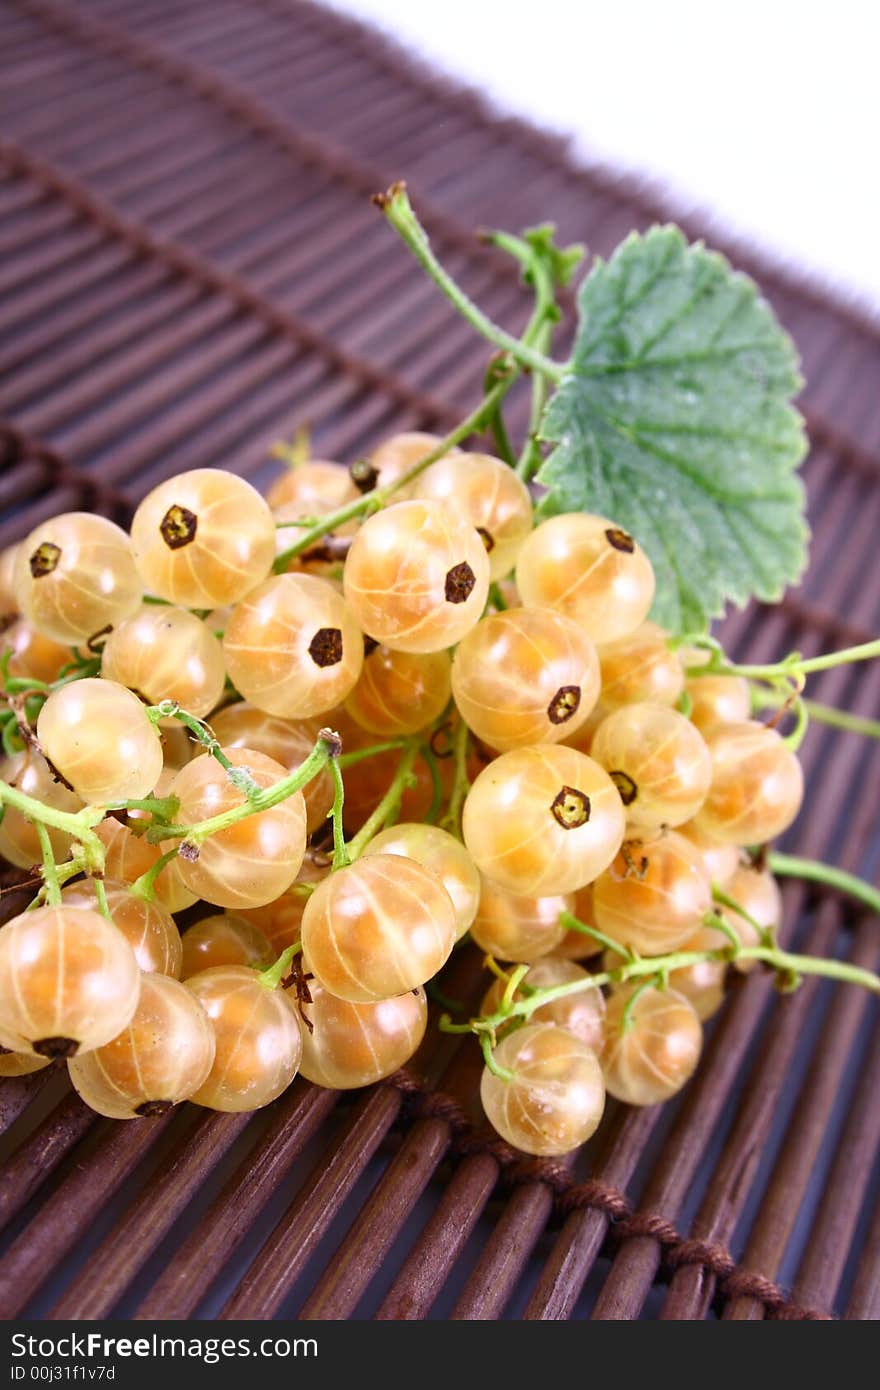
<point>593,1194</point>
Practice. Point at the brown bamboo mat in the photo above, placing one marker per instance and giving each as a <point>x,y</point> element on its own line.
<point>190,268</point>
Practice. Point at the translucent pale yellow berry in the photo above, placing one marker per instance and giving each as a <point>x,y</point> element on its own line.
<point>757,893</point>
<point>147,926</point>
<point>127,856</point>
<point>399,693</point>
<point>356,1044</point>
<point>75,577</point>
<point>257,1036</point>
<point>312,488</point>
<point>377,928</point>
<point>288,741</point>
<point>69,982</point>
<point>757,784</point>
<point>166,653</point>
<point>98,736</point>
<point>543,820</point>
<point>650,1060</point>
<point>416,577</point>
<point>19,842</point>
<point>525,676</point>
<point>640,667</point>
<point>581,1013</point>
<point>654,895</point>
<point>556,1097</point>
<point>589,569</point>
<point>162,1057</point>
<point>203,538</point>
<point>444,855</point>
<point>490,495</point>
<point>224,939</point>
<point>292,646</point>
<point>398,454</point>
<point>253,860</point>
<point>511,927</point>
<point>658,762</point>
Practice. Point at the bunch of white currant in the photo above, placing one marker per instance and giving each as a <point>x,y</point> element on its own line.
<point>587,792</point>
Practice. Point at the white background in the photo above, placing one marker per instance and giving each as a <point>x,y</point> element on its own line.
<point>763,114</point>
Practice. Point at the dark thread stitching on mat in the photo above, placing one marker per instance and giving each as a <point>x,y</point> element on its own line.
<point>231,98</point>
<point>210,85</point>
<point>18,447</point>
<point>183,262</point>
<point>571,1195</point>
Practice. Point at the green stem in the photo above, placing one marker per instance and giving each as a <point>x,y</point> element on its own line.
<point>572,923</point>
<point>503,1073</point>
<point>161,807</point>
<point>725,900</point>
<point>426,753</point>
<point>387,807</point>
<point>792,866</point>
<point>359,755</point>
<point>791,666</point>
<point>262,800</point>
<point>626,1019</point>
<point>821,714</point>
<point>499,370</point>
<point>271,977</point>
<point>372,501</point>
<point>78,824</point>
<point>399,213</point>
<point>503,445</point>
<point>539,334</point>
<point>802,723</point>
<point>238,776</point>
<point>461,782</point>
<point>719,923</point>
<point>659,967</point>
<point>514,981</point>
<point>50,869</point>
<point>340,851</point>
<point>101,895</point>
<point>145,886</point>
<point>530,459</point>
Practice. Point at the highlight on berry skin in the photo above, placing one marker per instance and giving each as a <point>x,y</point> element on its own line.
<point>417,576</point>
<point>203,539</point>
<point>257,1038</point>
<point>377,928</point>
<point>543,820</point>
<point>162,1057</point>
<point>555,1096</point>
<point>651,1051</point>
<point>292,647</point>
<point>590,570</point>
<point>75,576</point>
<point>69,982</point>
<point>525,676</point>
<point>147,926</point>
<point>253,860</point>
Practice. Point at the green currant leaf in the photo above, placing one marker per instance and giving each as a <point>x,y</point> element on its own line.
<point>676,422</point>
